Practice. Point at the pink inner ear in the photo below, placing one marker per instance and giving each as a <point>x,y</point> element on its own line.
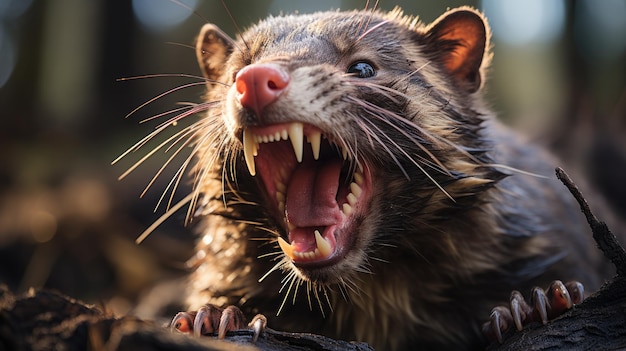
<point>468,52</point>
<point>463,34</point>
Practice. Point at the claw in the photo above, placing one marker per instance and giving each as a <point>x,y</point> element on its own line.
<point>539,301</point>
<point>232,319</point>
<point>576,291</point>
<point>558,299</point>
<point>207,320</point>
<point>543,307</point>
<point>258,324</point>
<point>520,310</point>
<point>182,322</point>
<point>210,319</point>
<point>499,321</point>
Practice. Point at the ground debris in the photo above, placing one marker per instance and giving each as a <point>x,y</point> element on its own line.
<point>46,320</point>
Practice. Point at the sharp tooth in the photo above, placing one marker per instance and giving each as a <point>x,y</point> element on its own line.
<point>315,140</point>
<point>296,135</point>
<point>249,149</point>
<point>355,189</point>
<point>322,244</point>
<point>347,209</point>
<point>286,247</point>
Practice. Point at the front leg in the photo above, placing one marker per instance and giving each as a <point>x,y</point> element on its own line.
<point>210,319</point>
<point>543,306</point>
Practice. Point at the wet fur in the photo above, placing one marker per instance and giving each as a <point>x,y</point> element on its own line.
<point>451,229</point>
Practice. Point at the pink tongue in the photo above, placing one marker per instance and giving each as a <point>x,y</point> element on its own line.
<point>311,195</point>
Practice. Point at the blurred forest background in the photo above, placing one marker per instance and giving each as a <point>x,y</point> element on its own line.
<point>67,223</point>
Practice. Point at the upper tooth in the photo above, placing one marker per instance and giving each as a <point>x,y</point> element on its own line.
<point>358,178</point>
<point>315,139</point>
<point>355,189</point>
<point>351,199</point>
<point>296,135</point>
<point>249,149</point>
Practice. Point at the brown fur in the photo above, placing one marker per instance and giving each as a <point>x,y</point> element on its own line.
<point>450,230</point>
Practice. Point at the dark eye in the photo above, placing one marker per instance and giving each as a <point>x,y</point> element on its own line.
<point>361,70</point>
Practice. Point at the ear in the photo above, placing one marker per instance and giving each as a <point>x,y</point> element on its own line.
<point>458,40</point>
<point>213,47</point>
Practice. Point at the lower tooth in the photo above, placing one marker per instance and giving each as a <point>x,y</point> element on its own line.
<point>323,246</point>
<point>287,248</point>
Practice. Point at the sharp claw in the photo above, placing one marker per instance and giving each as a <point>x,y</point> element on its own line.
<point>516,311</point>
<point>499,322</point>
<point>258,324</point>
<point>496,325</point>
<point>558,298</point>
<point>201,321</point>
<point>232,319</point>
<point>576,292</point>
<point>540,304</point>
<point>221,333</point>
<point>182,322</point>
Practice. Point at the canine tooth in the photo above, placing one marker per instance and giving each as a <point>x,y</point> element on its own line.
<point>351,199</point>
<point>347,209</point>
<point>286,247</point>
<point>358,178</point>
<point>315,140</point>
<point>249,149</point>
<point>355,189</point>
<point>296,134</point>
<point>322,244</point>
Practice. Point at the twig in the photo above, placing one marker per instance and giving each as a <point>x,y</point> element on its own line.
<point>607,242</point>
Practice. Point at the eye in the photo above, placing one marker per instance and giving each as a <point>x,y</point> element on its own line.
<point>361,70</point>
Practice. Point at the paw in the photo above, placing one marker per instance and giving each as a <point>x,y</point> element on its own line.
<point>210,319</point>
<point>543,306</point>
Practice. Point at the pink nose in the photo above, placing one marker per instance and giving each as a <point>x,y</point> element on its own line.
<point>258,85</point>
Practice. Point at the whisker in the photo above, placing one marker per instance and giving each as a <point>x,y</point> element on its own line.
<point>161,95</point>
<point>232,19</point>
<point>162,219</point>
<point>410,159</point>
<point>183,5</point>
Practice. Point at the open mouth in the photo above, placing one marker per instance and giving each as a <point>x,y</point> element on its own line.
<point>317,191</point>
